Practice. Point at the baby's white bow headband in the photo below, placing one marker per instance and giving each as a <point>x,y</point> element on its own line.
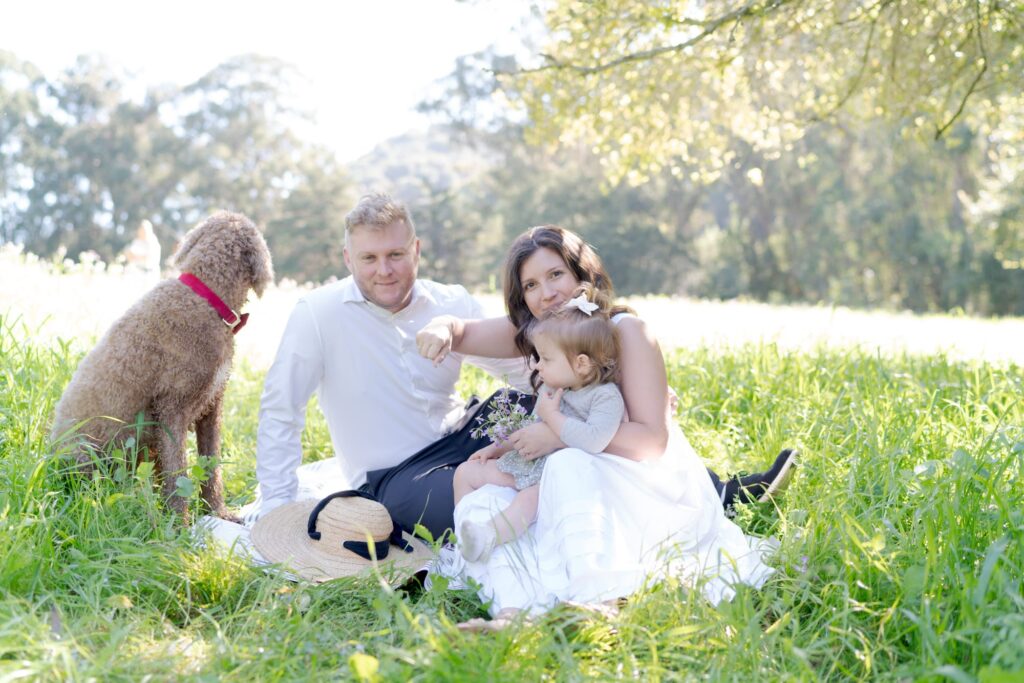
<point>581,302</point>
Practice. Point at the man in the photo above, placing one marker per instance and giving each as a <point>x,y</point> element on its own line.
<point>354,343</point>
<point>397,427</point>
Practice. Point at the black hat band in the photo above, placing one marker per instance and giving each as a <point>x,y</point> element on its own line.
<point>360,548</point>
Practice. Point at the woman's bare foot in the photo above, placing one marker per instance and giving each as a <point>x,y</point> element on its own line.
<point>606,608</point>
<point>500,622</point>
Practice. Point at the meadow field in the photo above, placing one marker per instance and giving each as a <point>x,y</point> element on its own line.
<point>902,536</point>
<point>82,302</point>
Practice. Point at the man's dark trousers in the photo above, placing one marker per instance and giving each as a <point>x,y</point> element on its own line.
<point>419,489</point>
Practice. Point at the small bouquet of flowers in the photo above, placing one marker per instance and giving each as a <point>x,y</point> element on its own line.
<point>506,418</point>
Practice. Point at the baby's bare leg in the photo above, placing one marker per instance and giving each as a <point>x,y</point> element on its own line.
<point>476,541</point>
<point>472,474</point>
<point>513,521</point>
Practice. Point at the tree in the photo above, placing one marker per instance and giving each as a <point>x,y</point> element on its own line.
<point>650,84</point>
<point>82,163</point>
<point>306,233</point>
<point>239,124</point>
<point>95,163</point>
<point>19,105</point>
<point>861,215</point>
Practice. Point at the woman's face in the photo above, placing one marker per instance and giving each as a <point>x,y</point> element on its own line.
<point>546,281</point>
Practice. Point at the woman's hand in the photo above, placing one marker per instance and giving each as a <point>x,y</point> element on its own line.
<point>534,441</point>
<point>437,339</point>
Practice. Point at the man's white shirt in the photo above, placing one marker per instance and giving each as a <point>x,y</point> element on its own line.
<point>383,401</point>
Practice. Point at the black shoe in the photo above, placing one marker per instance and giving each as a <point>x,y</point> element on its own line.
<point>758,488</point>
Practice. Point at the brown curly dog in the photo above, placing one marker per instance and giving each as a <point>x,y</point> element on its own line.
<point>168,357</point>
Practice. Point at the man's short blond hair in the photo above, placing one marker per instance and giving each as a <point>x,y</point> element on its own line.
<point>378,210</point>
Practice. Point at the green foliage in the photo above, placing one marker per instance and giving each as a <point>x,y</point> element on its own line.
<point>243,154</point>
<point>864,218</point>
<point>855,154</point>
<point>652,84</point>
<point>860,213</point>
<point>83,163</point>
<point>901,552</point>
<point>81,160</point>
<point>867,218</point>
<point>852,212</point>
<point>436,178</point>
<point>306,231</point>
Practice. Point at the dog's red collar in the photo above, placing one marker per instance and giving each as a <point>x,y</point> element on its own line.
<point>230,318</point>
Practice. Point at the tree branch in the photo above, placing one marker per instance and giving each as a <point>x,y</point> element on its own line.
<point>865,58</point>
<point>862,11</point>
<point>750,9</point>
<point>977,79</point>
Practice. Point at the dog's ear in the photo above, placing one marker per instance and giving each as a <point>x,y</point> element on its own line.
<point>192,237</point>
<point>257,257</point>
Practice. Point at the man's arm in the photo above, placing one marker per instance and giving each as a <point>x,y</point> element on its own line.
<point>291,380</point>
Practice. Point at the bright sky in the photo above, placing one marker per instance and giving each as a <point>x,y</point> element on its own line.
<point>368,62</point>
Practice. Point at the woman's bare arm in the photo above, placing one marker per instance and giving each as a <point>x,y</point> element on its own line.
<point>645,390</point>
<point>488,337</point>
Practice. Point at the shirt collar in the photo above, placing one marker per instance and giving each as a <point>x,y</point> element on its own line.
<point>421,292</point>
<point>350,293</point>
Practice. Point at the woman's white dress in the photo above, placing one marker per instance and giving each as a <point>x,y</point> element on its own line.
<point>605,525</point>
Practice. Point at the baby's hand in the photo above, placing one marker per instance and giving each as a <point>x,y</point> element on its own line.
<point>484,454</point>
<point>548,402</point>
<point>534,441</point>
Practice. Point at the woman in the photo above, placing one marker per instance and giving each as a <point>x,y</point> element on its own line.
<point>606,522</point>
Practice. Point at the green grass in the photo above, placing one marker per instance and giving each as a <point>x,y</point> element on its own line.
<point>901,551</point>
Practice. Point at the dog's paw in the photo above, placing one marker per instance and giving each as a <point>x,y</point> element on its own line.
<point>229,516</point>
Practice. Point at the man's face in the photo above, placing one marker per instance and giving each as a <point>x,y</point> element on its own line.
<point>384,262</point>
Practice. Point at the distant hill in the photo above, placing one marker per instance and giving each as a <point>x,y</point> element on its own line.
<point>418,164</point>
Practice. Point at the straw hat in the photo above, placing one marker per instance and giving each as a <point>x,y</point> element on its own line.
<point>344,534</point>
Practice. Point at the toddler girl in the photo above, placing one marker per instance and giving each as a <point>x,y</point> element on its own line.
<point>576,359</point>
